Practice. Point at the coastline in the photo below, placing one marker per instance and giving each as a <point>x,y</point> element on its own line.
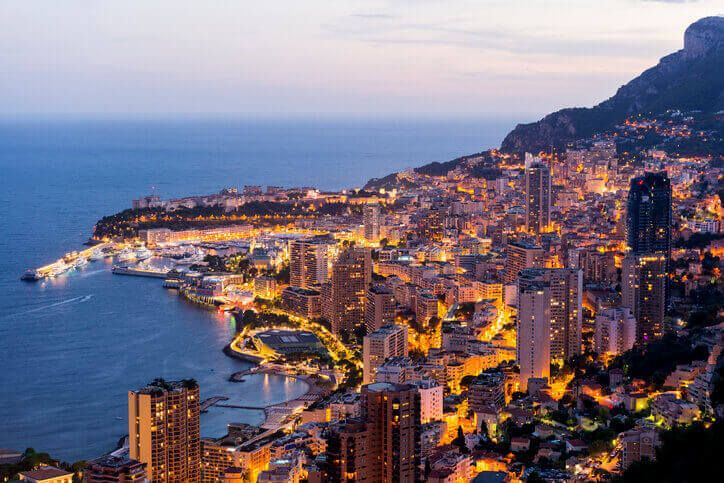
<point>277,415</point>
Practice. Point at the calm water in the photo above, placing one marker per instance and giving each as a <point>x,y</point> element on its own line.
<point>70,348</point>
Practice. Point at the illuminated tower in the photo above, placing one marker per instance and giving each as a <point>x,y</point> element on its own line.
<point>371,220</point>
<point>565,312</point>
<point>345,294</point>
<point>163,430</point>
<point>649,215</point>
<point>308,262</point>
<point>537,196</point>
<point>643,290</point>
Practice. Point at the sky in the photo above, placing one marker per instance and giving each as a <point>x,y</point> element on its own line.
<point>328,58</point>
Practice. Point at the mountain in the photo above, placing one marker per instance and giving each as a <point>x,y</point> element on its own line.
<point>689,79</point>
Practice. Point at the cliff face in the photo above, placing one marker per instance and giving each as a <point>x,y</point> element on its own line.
<point>692,78</point>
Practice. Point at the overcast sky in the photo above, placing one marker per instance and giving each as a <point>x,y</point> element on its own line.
<point>392,58</point>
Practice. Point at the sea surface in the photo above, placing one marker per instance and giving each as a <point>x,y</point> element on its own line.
<point>71,348</point>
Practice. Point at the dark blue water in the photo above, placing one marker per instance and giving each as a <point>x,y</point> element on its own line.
<point>71,348</point>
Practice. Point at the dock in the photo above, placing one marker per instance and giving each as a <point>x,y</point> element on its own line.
<point>212,401</point>
<point>58,266</point>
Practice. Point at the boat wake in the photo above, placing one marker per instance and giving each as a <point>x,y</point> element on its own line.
<point>81,299</point>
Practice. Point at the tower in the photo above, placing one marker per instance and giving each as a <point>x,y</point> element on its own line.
<point>643,290</point>
<point>393,429</point>
<point>345,294</point>
<point>308,262</point>
<point>537,196</point>
<point>533,334</point>
<point>371,220</point>
<point>565,310</point>
<point>163,430</point>
<point>648,218</point>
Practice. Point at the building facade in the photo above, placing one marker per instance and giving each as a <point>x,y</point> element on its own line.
<point>163,430</point>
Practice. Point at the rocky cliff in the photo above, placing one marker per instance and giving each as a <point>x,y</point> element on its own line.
<point>692,78</point>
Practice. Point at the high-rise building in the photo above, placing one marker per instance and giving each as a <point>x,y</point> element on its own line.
<point>308,261</point>
<point>393,429</point>
<point>385,342</point>
<point>520,255</point>
<point>380,307</point>
<point>648,215</point>
<point>533,334</point>
<point>344,296</point>
<point>643,290</point>
<point>114,469</point>
<point>163,430</point>
<point>371,221</point>
<point>537,197</point>
<point>565,311</point>
<point>615,331</point>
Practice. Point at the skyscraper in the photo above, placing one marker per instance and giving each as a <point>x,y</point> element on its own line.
<point>163,430</point>
<point>537,196</point>
<point>648,234</point>
<point>643,290</point>
<point>393,432</point>
<point>371,221</point>
<point>649,215</point>
<point>308,262</point>
<point>534,333</point>
<point>520,255</point>
<point>565,311</point>
<point>388,341</point>
<point>344,296</point>
<point>380,307</point>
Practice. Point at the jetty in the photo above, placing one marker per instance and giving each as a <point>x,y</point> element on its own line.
<point>212,401</point>
<point>61,265</point>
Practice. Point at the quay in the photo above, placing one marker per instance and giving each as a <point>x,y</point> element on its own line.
<point>138,272</point>
<point>212,401</point>
<point>59,265</point>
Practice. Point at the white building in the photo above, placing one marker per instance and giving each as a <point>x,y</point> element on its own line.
<point>615,331</point>
<point>533,334</point>
<point>431,395</point>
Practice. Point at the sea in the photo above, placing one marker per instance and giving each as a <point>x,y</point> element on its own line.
<point>72,347</point>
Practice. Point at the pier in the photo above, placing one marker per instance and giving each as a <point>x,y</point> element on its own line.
<point>59,265</point>
<point>212,401</point>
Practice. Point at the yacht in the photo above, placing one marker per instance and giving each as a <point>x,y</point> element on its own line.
<point>126,255</point>
<point>143,253</point>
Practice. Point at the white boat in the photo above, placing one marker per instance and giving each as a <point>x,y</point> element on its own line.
<point>97,255</point>
<point>82,262</point>
<point>143,253</point>
<point>126,255</point>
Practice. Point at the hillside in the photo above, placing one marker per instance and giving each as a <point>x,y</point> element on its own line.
<point>689,79</point>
